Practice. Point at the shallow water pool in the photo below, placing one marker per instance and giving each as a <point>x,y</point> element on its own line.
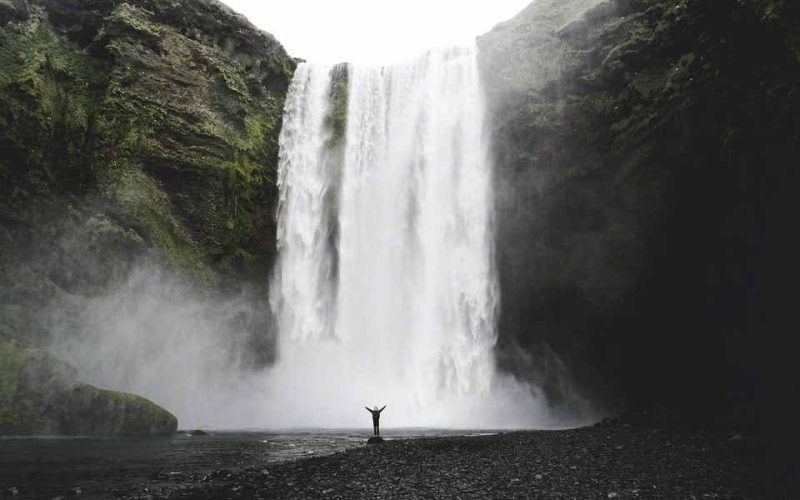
<point>107,467</point>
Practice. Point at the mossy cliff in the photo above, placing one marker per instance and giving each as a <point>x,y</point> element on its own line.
<point>647,156</point>
<point>163,113</point>
<point>132,132</point>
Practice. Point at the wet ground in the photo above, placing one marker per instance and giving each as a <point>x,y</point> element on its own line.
<point>613,460</point>
<point>105,467</point>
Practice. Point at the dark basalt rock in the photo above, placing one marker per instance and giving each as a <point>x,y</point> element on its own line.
<point>646,176</point>
<point>7,11</point>
<point>375,440</point>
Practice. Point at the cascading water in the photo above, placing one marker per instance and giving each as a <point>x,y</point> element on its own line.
<point>385,290</point>
<point>305,289</point>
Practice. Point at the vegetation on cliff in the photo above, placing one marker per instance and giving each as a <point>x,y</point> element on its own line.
<point>165,115</point>
<point>650,165</point>
<point>40,395</point>
<point>133,132</point>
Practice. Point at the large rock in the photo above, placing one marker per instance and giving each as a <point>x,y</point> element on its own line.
<point>40,395</point>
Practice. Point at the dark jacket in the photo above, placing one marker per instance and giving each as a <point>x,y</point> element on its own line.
<point>376,414</point>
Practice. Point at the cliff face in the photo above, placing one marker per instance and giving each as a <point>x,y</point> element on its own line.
<point>647,156</point>
<point>163,114</point>
<point>134,132</point>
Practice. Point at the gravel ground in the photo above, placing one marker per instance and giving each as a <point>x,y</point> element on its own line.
<point>609,460</point>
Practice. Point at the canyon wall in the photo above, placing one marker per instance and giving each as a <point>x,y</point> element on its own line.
<point>135,134</point>
<point>646,173</point>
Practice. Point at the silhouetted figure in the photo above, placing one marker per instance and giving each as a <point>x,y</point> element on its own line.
<point>376,419</point>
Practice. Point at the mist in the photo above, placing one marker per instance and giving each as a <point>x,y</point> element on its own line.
<point>233,361</point>
<point>153,335</point>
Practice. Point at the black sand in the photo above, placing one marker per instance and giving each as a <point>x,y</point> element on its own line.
<point>616,460</point>
<point>610,460</point>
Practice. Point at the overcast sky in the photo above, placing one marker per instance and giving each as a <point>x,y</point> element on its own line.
<point>376,31</point>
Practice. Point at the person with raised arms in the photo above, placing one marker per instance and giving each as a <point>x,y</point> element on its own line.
<point>376,419</point>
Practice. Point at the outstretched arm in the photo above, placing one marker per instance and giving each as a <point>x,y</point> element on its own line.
<point>384,406</point>
<point>366,408</point>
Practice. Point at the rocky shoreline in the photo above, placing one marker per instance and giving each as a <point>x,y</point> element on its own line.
<point>614,459</point>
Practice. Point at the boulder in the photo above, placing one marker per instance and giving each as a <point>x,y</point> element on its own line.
<point>40,395</point>
<point>375,440</point>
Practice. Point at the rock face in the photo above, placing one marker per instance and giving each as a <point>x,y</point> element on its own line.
<point>39,395</point>
<point>163,114</point>
<point>647,157</point>
<point>134,132</point>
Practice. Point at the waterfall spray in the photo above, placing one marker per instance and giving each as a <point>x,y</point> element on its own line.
<point>400,306</point>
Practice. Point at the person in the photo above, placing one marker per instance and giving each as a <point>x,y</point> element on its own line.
<point>376,419</point>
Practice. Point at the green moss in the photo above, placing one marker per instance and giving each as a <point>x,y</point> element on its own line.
<point>52,401</point>
<point>170,117</point>
<point>147,207</point>
<point>165,239</point>
<point>252,142</point>
<point>646,84</point>
<point>104,412</point>
<point>33,58</point>
<point>244,181</point>
<point>768,10</point>
<point>48,97</point>
<point>680,74</point>
<point>246,177</point>
<point>12,359</point>
<point>336,121</point>
<point>260,127</point>
<point>232,79</point>
<point>542,115</point>
<point>782,16</point>
<point>12,319</point>
<point>136,20</point>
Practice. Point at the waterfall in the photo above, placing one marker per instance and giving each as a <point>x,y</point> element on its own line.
<point>385,288</point>
<point>304,300</point>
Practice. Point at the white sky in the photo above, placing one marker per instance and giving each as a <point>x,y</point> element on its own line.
<point>375,31</point>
